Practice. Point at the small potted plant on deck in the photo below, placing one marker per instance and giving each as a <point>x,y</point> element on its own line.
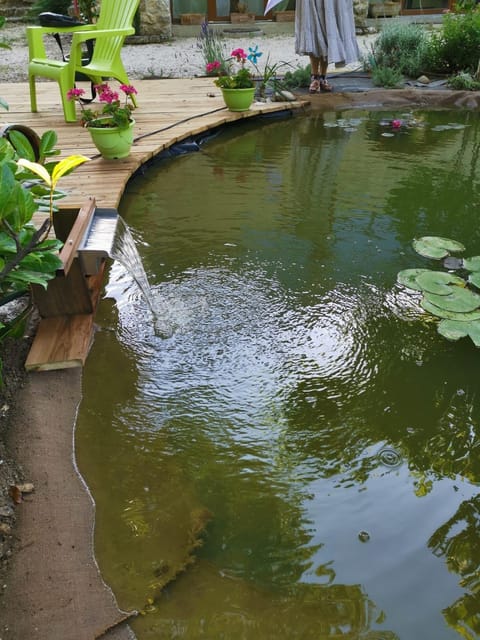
<point>235,80</point>
<point>111,128</point>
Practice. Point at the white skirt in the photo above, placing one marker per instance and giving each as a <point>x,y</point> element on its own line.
<point>326,29</point>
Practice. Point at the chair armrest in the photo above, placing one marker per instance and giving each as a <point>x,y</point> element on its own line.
<point>36,46</point>
<point>37,29</point>
<point>100,33</point>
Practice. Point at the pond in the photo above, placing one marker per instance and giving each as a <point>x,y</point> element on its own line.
<point>289,450</point>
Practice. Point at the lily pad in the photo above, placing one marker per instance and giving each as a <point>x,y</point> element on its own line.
<point>460,300</point>
<point>472,264</point>
<point>454,330</point>
<point>439,282</point>
<point>449,315</point>
<point>436,247</point>
<point>408,277</point>
<point>474,278</point>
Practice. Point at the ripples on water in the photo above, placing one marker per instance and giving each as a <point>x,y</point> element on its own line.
<point>289,386</point>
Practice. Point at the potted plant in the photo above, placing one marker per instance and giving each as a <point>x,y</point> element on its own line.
<point>235,80</point>
<point>111,128</point>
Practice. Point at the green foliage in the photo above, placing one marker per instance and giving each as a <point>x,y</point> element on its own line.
<point>212,47</point>
<point>464,82</point>
<point>387,77</point>
<point>445,295</point>
<point>26,254</point>
<point>54,6</point>
<point>401,47</point>
<point>88,9</point>
<point>455,48</point>
<point>298,78</point>
<point>242,79</point>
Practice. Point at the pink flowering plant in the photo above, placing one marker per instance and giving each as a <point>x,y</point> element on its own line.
<point>232,73</point>
<point>115,112</point>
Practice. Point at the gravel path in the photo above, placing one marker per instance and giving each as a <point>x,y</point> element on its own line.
<point>176,58</point>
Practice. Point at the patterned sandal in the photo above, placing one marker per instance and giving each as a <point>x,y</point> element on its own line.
<point>324,85</point>
<point>314,84</point>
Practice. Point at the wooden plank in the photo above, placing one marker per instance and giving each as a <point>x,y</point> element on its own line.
<point>61,342</point>
<point>69,249</point>
<point>66,294</point>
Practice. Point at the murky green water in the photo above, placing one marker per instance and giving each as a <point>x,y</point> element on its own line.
<point>300,413</point>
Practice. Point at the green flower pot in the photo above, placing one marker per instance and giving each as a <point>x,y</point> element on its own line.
<point>112,142</point>
<point>238,99</point>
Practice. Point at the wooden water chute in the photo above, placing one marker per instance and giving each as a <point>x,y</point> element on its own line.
<point>67,306</point>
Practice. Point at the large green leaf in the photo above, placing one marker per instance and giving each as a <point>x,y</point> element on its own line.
<point>460,300</point>
<point>7,244</point>
<point>47,143</point>
<point>22,145</point>
<point>22,276</point>
<point>408,277</point>
<point>439,282</point>
<point>472,264</point>
<point>8,188</point>
<point>454,330</point>
<point>436,247</point>
<point>474,278</point>
<point>450,315</point>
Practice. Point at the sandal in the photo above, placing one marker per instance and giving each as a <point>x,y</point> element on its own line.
<point>314,84</point>
<point>324,85</point>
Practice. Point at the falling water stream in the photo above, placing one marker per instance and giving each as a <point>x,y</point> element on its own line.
<point>290,450</point>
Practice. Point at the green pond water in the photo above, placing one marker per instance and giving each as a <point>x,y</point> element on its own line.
<point>290,406</point>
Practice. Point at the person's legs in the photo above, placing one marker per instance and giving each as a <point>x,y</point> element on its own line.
<point>319,68</point>
<point>315,77</point>
<point>324,85</point>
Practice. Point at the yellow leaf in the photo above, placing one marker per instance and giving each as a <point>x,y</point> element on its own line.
<point>66,165</point>
<point>34,167</point>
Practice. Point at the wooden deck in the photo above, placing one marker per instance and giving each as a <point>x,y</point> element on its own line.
<point>169,111</point>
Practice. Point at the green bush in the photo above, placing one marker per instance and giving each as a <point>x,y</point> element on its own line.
<point>55,6</point>
<point>298,78</point>
<point>464,81</point>
<point>386,77</point>
<point>88,8</point>
<point>456,48</point>
<point>401,47</point>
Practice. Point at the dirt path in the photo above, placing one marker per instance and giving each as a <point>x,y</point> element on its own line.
<point>54,589</point>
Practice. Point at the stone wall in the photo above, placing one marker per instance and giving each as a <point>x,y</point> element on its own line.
<point>14,9</point>
<point>155,20</point>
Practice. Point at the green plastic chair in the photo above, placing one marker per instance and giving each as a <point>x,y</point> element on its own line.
<point>114,24</point>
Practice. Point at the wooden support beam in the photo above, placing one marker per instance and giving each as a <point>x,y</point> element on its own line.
<point>63,341</point>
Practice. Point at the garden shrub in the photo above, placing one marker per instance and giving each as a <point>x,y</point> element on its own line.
<point>401,47</point>
<point>386,77</point>
<point>464,81</point>
<point>456,47</point>
<point>298,78</point>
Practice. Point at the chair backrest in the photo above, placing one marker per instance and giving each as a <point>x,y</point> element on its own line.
<point>114,14</point>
